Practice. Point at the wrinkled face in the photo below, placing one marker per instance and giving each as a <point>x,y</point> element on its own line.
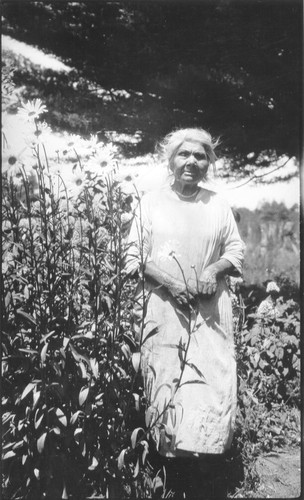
<point>190,163</point>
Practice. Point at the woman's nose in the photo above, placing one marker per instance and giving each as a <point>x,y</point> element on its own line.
<point>191,158</point>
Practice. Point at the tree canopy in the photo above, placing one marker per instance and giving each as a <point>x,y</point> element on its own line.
<point>229,66</point>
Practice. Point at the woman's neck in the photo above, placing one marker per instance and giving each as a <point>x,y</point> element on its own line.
<point>186,190</point>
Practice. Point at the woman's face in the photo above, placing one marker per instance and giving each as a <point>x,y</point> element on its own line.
<point>190,163</point>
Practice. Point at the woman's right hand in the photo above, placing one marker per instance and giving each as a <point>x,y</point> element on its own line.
<point>182,294</point>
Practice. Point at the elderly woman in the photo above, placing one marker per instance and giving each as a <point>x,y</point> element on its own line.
<point>185,240</point>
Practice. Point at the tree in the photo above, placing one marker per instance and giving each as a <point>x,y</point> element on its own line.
<point>229,65</point>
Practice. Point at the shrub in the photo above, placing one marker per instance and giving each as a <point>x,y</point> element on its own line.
<point>268,360</point>
<point>269,355</point>
<point>68,384</point>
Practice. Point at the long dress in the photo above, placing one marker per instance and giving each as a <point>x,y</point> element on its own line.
<point>187,358</point>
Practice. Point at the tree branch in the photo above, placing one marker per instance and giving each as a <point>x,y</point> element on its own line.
<point>256,176</point>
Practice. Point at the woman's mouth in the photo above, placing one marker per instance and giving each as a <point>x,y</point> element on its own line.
<point>191,173</point>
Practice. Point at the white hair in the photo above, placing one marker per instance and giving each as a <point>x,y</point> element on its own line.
<point>171,143</point>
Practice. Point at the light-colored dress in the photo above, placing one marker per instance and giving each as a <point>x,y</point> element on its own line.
<point>187,359</point>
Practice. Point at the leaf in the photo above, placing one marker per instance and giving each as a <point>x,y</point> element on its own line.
<point>45,337</point>
<point>28,351</point>
<point>195,368</point>
<point>9,454</point>
<point>93,464</point>
<point>172,346</point>
<point>193,382</point>
<point>41,442</point>
<point>27,390</point>
<point>136,399</point>
<point>83,370</point>
<point>279,352</point>
<point>161,387</point>
<point>136,470</point>
<point>292,339</point>
<point>296,362</point>
<point>18,445</point>
<point>153,371</point>
<point>94,367</point>
<point>26,292</point>
<point>276,430</point>
<point>26,316</point>
<point>36,397</point>
<point>108,302</point>
<point>79,357</point>
<point>61,417</point>
<point>38,419</point>
<point>255,359</point>
<point>157,484</point>
<point>83,394</point>
<point>43,352</point>
<point>64,494</point>
<point>75,416</point>
<point>136,361</point>
<point>262,364</point>
<point>77,434</point>
<point>168,431</point>
<point>150,334</point>
<point>126,351</point>
<point>7,299</point>
<point>66,342</point>
<point>121,459</point>
<point>56,430</point>
<point>145,451</point>
<point>134,436</point>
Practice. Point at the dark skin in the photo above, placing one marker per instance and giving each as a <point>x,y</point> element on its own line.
<point>183,294</point>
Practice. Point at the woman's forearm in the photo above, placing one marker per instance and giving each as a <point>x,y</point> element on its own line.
<point>158,276</point>
<point>208,281</point>
<point>206,285</point>
<point>221,267</point>
<point>180,291</point>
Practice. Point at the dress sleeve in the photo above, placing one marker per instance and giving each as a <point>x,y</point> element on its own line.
<point>138,243</point>
<point>233,246</point>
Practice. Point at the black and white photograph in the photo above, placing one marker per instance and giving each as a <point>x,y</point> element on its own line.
<point>150,300</point>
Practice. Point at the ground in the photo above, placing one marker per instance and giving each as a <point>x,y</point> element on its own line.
<point>280,474</point>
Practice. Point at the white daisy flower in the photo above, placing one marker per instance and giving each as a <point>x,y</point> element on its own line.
<point>93,142</point>
<point>75,183</point>
<point>73,140</point>
<point>39,136</point>
<point>32,110</point>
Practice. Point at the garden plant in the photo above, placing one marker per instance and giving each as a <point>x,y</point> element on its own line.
<point>72,399</point>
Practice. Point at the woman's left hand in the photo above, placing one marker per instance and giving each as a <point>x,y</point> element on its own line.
<point>207,284</point>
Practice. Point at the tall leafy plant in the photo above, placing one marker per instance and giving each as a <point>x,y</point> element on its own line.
<point>67,376</point>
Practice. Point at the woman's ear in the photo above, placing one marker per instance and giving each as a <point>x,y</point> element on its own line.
<point>170,166</point>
